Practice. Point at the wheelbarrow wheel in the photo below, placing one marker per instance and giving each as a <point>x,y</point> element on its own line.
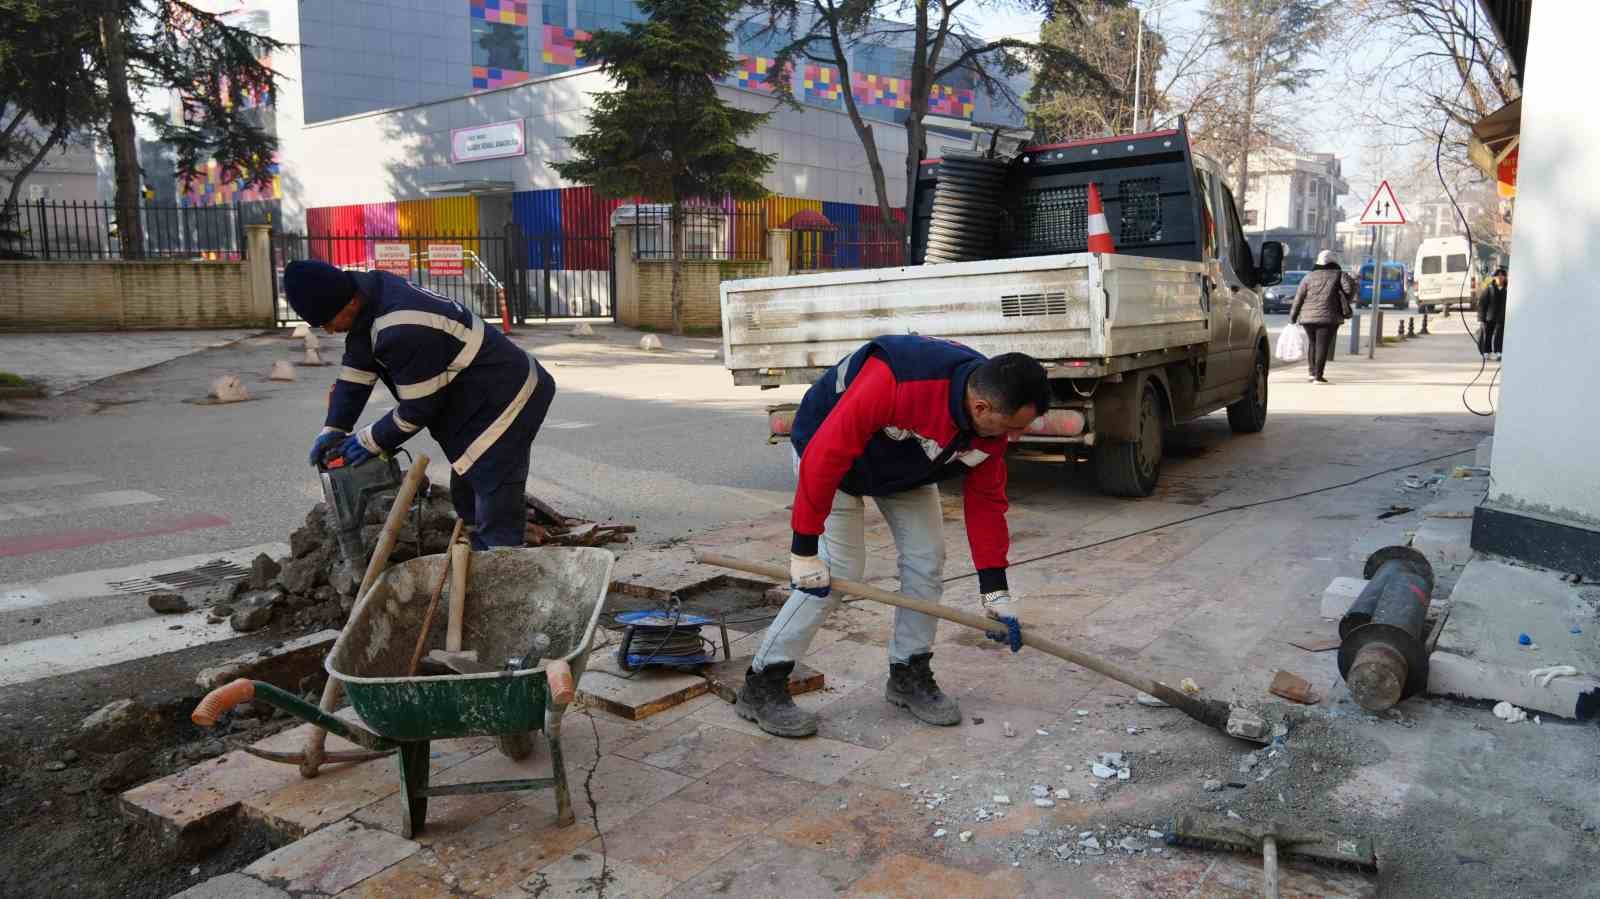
<point>516,747</point>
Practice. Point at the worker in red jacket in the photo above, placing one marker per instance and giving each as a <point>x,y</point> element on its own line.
<point>890,421</point>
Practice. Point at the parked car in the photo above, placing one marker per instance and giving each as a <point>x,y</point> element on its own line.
<point>1394,285</point>
<point>1280,298</point>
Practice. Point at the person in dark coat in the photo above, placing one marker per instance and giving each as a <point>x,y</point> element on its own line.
<point>1492,315</point>
<point>1321,304</point>
<point>478,394</point>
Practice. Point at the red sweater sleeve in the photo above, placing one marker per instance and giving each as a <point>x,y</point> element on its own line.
<point>984,504</point>
<point>865,409</point>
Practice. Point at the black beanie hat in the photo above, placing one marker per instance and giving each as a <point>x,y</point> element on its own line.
<point>317,290</point>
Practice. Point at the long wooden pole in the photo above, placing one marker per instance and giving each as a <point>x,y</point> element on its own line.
<point>333,691</point>
<point>1209,712</point>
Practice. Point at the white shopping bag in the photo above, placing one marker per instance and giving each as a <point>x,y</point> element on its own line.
<point>1292,344</point>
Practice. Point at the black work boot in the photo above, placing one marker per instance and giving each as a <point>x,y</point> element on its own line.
<point>765,700</point>
<point>911,686</point>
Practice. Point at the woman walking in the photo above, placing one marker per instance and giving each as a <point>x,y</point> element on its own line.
<point>1321,304</point>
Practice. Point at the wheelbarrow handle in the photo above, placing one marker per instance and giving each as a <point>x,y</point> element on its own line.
<point>227,696</point>
<point>558,674</point>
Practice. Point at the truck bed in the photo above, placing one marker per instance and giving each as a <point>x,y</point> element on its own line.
<point>1065,308</point>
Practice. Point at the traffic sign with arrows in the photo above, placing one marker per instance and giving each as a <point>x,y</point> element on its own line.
<point>1383,208</point>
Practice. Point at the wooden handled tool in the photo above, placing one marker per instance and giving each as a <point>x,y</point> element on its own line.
<point>460,561</point>
<point>433,602</point>
<point>333,691</point>
<point>1210,712</point>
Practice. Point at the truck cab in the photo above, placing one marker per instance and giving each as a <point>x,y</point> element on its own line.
<point>1165,329</point>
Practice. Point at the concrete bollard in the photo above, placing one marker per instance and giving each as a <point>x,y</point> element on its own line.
<point>300,331</point>
<point>649,342</point>
<point>282,370</point>
<point>313,356</point>
<point>581,329</point>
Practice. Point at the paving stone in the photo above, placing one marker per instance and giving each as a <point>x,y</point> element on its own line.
<point>1444,541</point>
<point>817,759</point>
<point>306,805</point>
<point>722,714</point>
<point>753,791</point>
<point>648,692</point>
<point>578,873</point>
<point>622,788</point>
<point>908,877</point>
<point>691,748</point>
<point>766,868</point>
<point>677,837</point>
<point>418,877</point>
<point>191,804</point>
<point>726,678</point>
<point>332,859</point>
<point>859,822</point>
<point>1340,595</point>
<point>231,886</point>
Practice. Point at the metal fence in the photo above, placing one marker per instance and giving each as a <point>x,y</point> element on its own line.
<point>54,231</point>
<point>708,233</point>
<point>850,245</point>
<point>541,277</point>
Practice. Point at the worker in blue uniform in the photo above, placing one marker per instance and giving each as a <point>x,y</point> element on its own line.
<point>481,397</point>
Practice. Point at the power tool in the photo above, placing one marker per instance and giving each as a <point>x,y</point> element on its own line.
<point>348,491</point>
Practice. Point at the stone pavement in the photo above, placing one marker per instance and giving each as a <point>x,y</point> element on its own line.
<point>695,801</point>
<point>63,362</point>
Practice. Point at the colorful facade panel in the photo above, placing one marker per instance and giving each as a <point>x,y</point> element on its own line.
<point>561,48</point>
<point>219,187</point>
<point>502,12</point>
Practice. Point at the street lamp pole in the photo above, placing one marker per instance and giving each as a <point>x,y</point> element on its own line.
<point>1138,64</point>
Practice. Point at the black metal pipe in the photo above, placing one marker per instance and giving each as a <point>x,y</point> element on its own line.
<point>1381,654</point>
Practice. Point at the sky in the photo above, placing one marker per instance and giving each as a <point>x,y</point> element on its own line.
<point>1329,96</point>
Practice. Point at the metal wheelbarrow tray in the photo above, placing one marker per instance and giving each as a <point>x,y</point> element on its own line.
<point>514,595</point>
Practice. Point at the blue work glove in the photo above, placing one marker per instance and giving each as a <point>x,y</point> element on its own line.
<point>353,452</point>
<point>1003,607</point>
<point>809,574</point>
<point>321,444</point>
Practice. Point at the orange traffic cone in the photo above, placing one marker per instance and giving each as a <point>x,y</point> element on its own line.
<point>1099,232</point>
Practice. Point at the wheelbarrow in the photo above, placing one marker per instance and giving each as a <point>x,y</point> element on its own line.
<point>518,599</point>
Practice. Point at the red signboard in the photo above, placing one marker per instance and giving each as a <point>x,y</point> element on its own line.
<point>445,259</point>
<point>394,258</point>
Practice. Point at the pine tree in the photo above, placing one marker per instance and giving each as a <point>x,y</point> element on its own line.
<point>666,135</point>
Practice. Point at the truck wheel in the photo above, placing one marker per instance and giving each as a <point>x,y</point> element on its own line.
<point>1132,467</point>
<point>1249,414</point>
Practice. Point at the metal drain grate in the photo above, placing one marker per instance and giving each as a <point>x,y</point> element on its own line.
<point>218,571</point>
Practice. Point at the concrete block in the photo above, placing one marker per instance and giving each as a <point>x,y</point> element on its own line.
<point>1464,678</point>
<point>193,805</point>
<point>231,886</point>
<point>1485,454</point>
<point>1444,541</point>
<point>332,859</point>
<point>1337,599</point>
<point>1479,655</point>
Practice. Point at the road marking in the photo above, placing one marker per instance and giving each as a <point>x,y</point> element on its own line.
<point>5,449</point>
<point>109,500</point>
<point>69,653</point>
<point>43,543</point>
<point>568,425</point>
<point>38,481</point>
<point>87,584</point>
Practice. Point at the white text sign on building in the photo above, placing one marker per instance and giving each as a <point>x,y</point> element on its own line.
<point>496,140</point>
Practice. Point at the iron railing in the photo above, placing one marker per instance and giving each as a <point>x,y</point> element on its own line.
<point>473,269</point>
<point>709,233</point>
<point>849,245</point>
<point>62,232</point>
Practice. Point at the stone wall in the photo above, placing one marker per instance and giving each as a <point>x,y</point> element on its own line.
<point>146,295</point>
<point>702,292</point>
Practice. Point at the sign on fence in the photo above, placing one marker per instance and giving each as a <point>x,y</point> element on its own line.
<point>394,258</point>
<point>445,259</point>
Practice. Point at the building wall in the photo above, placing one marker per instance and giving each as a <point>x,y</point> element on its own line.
<point>116,296</point>
<point>1546,429</point>
<point>68,174</point>
<point>378,157</point>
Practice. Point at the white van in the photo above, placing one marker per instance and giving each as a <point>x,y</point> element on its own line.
<point>1444,274</point>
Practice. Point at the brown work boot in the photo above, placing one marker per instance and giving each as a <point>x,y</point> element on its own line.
<point>911,686</point>
<point>765,699</point>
